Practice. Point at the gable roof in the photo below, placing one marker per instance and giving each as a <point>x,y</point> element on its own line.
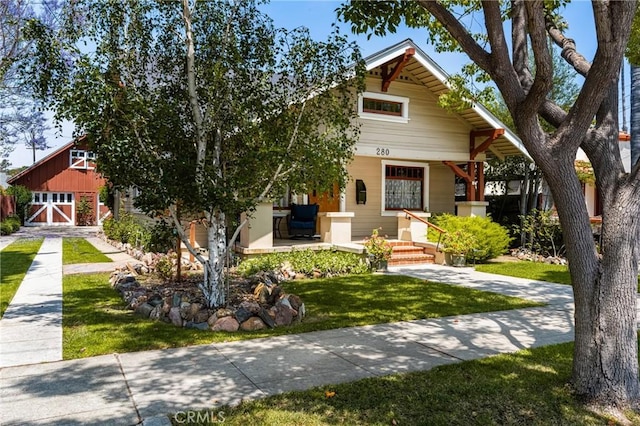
<point>46,159</point>
<point>425,71</point>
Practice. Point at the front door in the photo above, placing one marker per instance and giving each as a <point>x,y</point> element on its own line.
<point>328,201</point>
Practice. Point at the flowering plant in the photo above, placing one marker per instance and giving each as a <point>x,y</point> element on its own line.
<point>458,242</point>
<point>378,247</point>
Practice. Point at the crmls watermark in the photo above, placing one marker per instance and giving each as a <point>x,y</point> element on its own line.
<point>199,417</point>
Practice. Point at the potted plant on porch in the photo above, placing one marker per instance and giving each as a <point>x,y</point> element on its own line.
<point>379,250</point>
<point>456,245</point>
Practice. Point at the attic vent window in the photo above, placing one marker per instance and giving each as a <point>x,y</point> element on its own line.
<point>80,159</point>
<point>383,107</point>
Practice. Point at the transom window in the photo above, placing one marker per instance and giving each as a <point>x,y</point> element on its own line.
<point>53,197</point>
<point>384,107</point>
<point>378,106</point>
<point>404,187</point>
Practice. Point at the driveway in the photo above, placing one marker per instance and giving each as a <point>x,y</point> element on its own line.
<point>56,231</point>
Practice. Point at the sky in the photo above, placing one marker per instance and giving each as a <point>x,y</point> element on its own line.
<point>319,15</point>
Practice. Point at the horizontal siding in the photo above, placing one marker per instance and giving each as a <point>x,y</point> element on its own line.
<point>432,133</point>
<point>441,189</point>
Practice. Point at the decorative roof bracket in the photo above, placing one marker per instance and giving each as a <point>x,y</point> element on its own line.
<point>491,134</point>
<point>400,62</point>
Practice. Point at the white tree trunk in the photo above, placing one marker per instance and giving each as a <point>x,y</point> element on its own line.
<point>213,286</point>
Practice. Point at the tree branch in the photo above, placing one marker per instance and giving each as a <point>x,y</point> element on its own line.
<point>543,80</point>
<point>519,43</point>
<point>568,46</point>
<point>612,37</point>
<point>477,54</point>
<point>196,110</point>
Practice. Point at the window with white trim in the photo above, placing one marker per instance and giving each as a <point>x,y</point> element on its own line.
<point>54,197</point>
<point>380,106</point>
<point>405,186</point>
<point>80,159</point>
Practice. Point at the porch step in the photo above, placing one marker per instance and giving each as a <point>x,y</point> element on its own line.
<point>405,253</point>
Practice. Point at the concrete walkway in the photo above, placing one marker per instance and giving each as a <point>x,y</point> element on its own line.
<point>5,240</point>
<point>145,386</point>
<point>31,328</point>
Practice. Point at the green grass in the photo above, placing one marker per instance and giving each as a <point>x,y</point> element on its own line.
<point>15,260</point>
<point>558,274</point>
<point>79,250</point>
<point>96,322</point>
<point>526,388</point>
<point>531,270</point>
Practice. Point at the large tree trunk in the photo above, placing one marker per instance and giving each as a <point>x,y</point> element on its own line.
<point>635,114</point>
<point>606,352</point>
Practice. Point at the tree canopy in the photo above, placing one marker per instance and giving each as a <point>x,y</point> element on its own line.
<point>498,37</point>
<point>205,107</point>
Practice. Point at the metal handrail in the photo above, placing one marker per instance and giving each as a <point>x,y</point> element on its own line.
<point>440,230</point>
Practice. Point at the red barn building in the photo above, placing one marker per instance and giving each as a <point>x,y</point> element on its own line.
<point>61,182</point>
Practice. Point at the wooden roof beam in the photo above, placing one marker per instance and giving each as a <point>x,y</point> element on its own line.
<point>491,134</point>
<point>400,62</point>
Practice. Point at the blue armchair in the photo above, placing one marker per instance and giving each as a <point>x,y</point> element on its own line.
<point>302,220</point>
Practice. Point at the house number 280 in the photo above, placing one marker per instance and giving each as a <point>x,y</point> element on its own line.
<point>382,151</point>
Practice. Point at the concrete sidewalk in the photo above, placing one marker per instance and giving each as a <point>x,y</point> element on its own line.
<point>129,388</point>
<point>118,258</point>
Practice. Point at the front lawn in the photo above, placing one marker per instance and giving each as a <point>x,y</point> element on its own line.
<point>531,270</point>
<point>538,271</point>
<point>79,250</point>
<point>95,320</point>
<point>529,387</point>
<point>15,260</point>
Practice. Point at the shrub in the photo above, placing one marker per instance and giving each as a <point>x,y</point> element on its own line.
<point>23,200</point>
<point>156,237</point>
<point>307,262</point>
<point>164,268</point>
<point>84,212</point>
<point>491,239</point>
<point>161,238</point>
<point>10,225</point>
<point>14,222</point>
<point>5,228</point>
<point>542,231</point>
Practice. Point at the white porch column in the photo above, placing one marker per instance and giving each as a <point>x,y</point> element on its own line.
<point>335,227</point>
<point>472,208</point>
<point>412,229</point>
<point>258,233</point>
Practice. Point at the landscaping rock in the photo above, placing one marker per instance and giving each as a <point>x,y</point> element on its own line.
<point>157,313</point>
<point>252,307</point>
<point>175,317</point>
<point>227,323</point>
<point>201,316</point>
<point>284,315</point>
<point>276,292</point>
<point>144,310</point>
<point>253,324</point>
<point>294,301</point>
<point>197,325</point>
<point>224,312</point>
<point>266,318</point>
<point>242,315</point>
<point>155,300</point>
<point>212,320</point>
